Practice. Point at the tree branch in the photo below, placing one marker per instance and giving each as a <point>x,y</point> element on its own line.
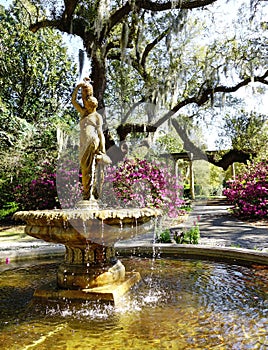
<point>226,159</point>
<point>56,23</point>
<point>163,6</point>
<point>70,6</point>
<point>129,6</point>
<point>64,23</point>
<point>131,109</point>
<point>206,94</point>
<point>229,158</point>
<point>8,138</point>
<point>188,145</point>
<point>124,130</point>
<point>151,45</point>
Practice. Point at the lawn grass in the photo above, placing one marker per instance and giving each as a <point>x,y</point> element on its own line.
<point>10,232</point>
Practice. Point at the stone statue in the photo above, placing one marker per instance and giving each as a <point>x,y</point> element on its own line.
<point>92,154</point>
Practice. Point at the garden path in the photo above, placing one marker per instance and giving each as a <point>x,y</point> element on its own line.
<point>218,227</point>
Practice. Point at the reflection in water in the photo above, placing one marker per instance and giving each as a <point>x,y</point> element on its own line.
<point>178,305</point>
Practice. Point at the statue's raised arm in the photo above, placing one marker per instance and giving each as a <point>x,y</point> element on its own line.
<point>87,92</point>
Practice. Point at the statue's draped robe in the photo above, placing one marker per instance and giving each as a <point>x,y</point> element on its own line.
<point>89,147</point>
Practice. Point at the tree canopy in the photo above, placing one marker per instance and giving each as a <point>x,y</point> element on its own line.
<point>181,57</point>
<point>36,79</point>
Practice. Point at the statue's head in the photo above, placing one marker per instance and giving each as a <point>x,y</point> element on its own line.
<point>87,89</point>
<point>91,103</point>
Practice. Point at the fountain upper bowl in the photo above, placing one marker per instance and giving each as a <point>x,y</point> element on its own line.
<point>77,227</point>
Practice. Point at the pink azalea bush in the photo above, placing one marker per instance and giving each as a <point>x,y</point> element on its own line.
<point>69,183</point>
<point>140,183</point>
<point>249,192</point>
<point>40,192</point>
<point>50,190</point>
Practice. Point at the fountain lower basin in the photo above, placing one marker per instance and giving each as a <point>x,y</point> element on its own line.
<point>180,304</point>
<point>90,269</point>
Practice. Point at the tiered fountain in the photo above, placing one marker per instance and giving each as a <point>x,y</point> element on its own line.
<point>90,270</point>
<point>189,304</point>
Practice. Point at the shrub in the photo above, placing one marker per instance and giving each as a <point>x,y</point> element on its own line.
<point>50,190</point>
<point>39,193</point>
<point>8,209</point>
<point>249,192</point>
<point>164,237</point>
<point>186,236</point>
<point>140,183</point>
<point>69,186</point>
<point>190,236</point>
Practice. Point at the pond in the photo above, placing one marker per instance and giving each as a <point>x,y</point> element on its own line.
<point>179,304</point>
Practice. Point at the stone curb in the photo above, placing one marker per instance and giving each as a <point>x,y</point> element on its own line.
<point>29,253</point>
<point>229,254</point>
<point>205,252</point>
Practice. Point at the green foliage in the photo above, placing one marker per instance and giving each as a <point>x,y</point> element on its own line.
<point>190,236</point>
<point>36,78</point>
<point>164,237</point>
<point>187,208</point>
<point>171,142</point>
<point>169,55</point>
<point>201,177</point>
<point>14,168</point>
<point>216,178</point>
<point>246,131</point>
<point>208,180</point>
<point>8,209</point>
<point>180,65</point>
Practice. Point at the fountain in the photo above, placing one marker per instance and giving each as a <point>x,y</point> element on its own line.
<point>183,302</point>
<point>91,269</point>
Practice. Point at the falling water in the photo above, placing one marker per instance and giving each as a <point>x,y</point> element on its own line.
<point>153,294</point>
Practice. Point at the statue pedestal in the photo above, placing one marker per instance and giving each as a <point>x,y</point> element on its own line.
<point>110,293</point>
<point>82,276</point>
<point>90,273</point>
<point>88,204</point>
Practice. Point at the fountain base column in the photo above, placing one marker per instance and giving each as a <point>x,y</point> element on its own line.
<point>109,293</point>
<point>89,266</point>
<point>90,272</point>
<point>83,276</point>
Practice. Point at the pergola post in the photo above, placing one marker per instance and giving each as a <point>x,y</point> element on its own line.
<point>233,171</point>
<point>192,193</point>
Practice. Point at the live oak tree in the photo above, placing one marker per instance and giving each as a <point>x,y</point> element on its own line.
<point>178,56</point>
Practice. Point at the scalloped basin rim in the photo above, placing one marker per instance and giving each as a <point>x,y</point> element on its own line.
<point>85,214</point>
